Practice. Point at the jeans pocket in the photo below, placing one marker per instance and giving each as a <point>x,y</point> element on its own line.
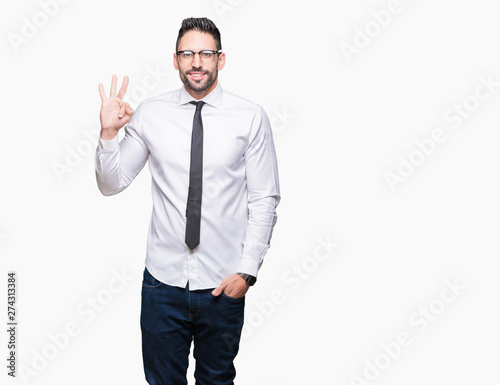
<point>148,281</point>
<point>224,295</point>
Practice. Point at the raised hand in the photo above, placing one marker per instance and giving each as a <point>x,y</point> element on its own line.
<point>115,113</point>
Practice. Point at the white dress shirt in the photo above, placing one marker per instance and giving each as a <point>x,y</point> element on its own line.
<point>240,184</point>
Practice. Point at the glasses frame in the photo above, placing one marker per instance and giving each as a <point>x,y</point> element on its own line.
<point>178,53</point>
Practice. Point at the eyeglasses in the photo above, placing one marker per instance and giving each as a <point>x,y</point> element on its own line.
<point>206,56</point>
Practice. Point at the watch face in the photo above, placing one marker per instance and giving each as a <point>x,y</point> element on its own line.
<point>251,280</point>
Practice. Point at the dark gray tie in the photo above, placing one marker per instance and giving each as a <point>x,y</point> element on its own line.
<point>193,209</point>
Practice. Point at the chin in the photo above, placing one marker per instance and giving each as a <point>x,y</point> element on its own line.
<point>198,87</point>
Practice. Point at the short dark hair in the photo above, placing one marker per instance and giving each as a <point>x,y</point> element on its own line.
<point>201,24</point>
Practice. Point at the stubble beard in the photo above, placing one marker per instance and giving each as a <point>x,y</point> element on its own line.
<point>199,86</point>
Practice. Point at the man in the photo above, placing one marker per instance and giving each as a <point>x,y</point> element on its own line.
<point>215,189</point>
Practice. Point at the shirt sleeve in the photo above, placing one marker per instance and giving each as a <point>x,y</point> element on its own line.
<point>117,163</point>
<point>261,169</point>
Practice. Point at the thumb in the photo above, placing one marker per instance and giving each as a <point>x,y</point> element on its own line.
<point>218,290</point>
<point>121,114</point>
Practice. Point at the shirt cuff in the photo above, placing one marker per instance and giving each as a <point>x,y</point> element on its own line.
<point>248,266</point>
<point>252,259</point>
<point>109,145</point>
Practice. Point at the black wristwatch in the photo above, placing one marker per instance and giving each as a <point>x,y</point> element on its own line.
<point>250,279</point>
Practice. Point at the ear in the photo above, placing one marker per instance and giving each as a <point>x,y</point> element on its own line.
<point>222,61</point>
<point>176,64</point>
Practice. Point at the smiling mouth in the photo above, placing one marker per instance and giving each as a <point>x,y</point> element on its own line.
<point>195,75</point>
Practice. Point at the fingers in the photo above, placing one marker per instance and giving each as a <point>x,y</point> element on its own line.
<point>123,88</point>
<point>112,93</point>
<point>114,80</point>
<point>125,109</point>
<point>101,92</point>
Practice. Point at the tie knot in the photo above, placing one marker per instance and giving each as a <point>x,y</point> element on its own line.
<point>198,105</point>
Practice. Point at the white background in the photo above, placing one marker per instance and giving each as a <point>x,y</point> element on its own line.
<point>341,123</point>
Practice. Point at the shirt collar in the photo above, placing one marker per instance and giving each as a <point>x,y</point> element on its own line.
<point>213,98</point>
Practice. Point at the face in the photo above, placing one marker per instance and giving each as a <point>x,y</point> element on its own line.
<point>199,78</point>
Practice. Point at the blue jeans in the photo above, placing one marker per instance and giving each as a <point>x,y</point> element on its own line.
<point>172,317</point>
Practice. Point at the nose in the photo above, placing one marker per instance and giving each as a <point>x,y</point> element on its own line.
<point>196,61</point>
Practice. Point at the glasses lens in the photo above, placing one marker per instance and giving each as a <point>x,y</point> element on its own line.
<point>205,56</point>
<point>187,55</point>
